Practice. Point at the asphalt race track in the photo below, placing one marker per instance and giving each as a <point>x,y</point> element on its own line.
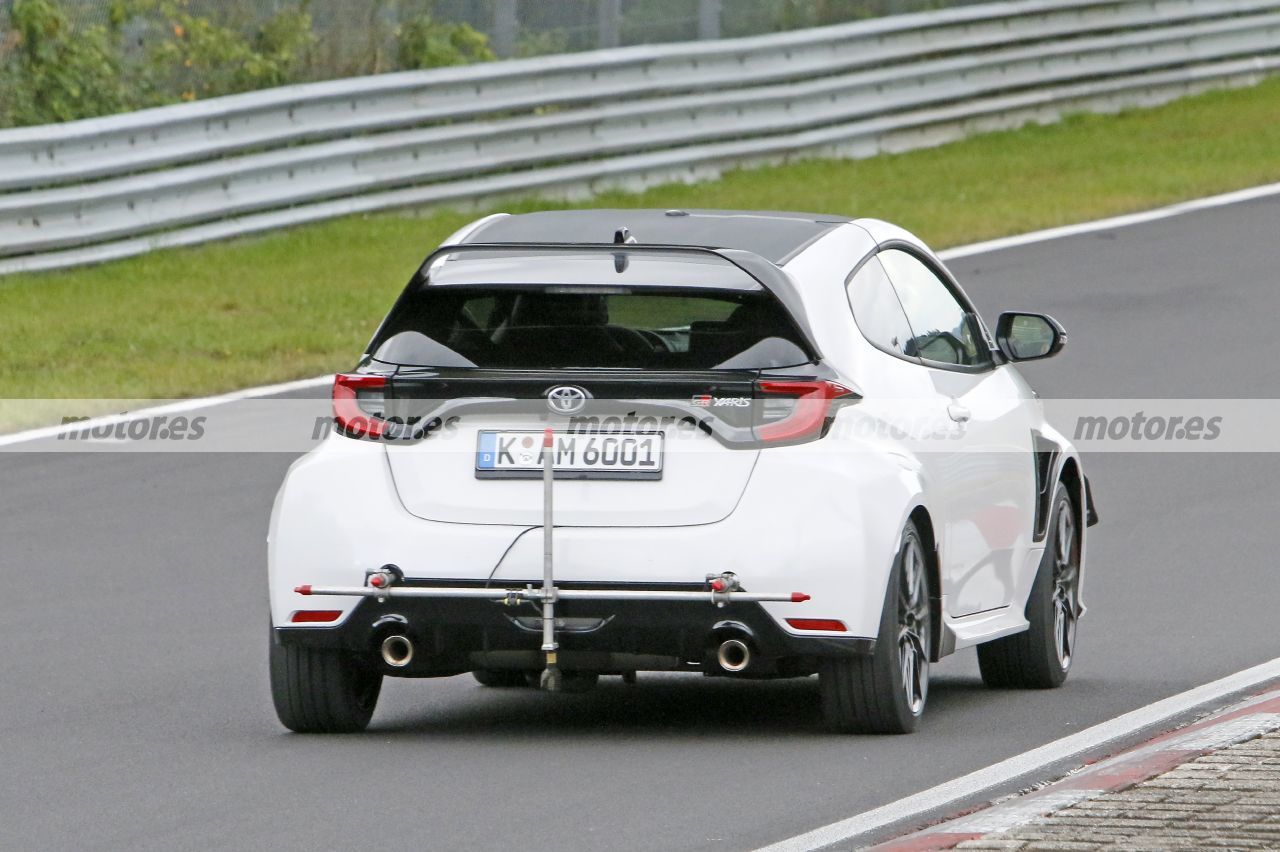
<point>135,712</point>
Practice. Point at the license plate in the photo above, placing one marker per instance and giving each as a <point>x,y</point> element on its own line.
<point>577,455</point>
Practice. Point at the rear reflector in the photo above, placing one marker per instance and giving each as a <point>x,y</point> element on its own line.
<point>809,411</point>
<point>316,616</point>
<point>818,624</point>
<point>350,417</point>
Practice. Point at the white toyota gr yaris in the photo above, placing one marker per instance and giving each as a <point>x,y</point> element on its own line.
<point>749,445</point>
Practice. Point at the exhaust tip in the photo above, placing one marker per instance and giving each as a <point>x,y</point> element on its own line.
<point>733,655</point>
<point>397,651</point>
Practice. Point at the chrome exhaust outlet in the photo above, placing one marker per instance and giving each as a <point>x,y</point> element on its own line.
<point>733,655</point>
<point>397,651</point>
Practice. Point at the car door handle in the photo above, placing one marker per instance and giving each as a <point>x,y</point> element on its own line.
<point>958,412</point>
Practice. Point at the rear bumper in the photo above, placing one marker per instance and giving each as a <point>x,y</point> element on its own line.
<point>805,524</point>
<point>453,635</point>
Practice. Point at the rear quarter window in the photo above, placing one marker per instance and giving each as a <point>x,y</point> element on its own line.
<point>877,311</point>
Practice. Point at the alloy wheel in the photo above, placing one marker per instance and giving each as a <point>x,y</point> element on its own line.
<point>1066,573</point>
<point>913,626</point>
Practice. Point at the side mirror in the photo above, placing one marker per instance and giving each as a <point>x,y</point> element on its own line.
<point>1026,337</point>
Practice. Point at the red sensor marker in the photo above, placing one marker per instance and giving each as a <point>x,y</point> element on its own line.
<point>303,590</point>
<point>377,581</point>
<point>717,585</point>
<point>799,597</point>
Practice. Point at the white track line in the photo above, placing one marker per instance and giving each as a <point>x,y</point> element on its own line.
<point>180,406</point>
<point>1237,197</point>
<point>1127,220</point>
<point>1089,741</point>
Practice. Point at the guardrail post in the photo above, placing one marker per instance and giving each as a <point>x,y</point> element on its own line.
<point>610,22</point>
<point>506,26</point>
<point>708,19</point>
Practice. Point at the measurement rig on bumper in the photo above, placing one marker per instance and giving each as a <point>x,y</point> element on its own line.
<point>731,643</point>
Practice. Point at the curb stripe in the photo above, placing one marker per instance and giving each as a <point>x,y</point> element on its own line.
<point>1238,723</point>
<point>915,809</point>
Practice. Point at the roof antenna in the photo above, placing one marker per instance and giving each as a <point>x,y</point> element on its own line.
<point>622,237</point>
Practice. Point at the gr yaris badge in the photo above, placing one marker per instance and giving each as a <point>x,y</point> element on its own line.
<point>566,399</point>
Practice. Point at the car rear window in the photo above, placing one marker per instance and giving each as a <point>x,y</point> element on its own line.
<point>572,326</point>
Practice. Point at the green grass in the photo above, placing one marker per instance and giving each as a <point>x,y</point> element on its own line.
<point>303,302</point>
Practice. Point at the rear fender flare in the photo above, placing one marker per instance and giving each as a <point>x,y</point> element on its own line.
<point>1068,470</point>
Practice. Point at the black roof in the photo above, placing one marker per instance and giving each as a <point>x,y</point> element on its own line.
<point>774,236</point>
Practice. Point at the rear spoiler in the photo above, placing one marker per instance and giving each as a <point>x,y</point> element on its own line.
<point>760,270</point>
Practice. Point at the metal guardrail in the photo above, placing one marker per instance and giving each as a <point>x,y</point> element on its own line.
<point>110,187</point>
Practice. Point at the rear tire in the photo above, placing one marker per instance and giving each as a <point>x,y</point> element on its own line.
<point>885,693</point>
<point>1040,657</point>
<point>321,691</point>
<point>500,678</point>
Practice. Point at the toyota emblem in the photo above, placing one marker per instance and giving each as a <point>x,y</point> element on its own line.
<point>566,399</point>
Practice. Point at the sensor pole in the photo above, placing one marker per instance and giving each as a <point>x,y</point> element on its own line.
<point>551,674</point>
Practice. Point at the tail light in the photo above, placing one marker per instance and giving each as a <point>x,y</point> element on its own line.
<point>359,405</point>
<point>796,410</point>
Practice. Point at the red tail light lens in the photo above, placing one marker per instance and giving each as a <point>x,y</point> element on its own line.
<point>358,403</point>
<point>818,624</point>
<point>810,406</point>
<point>316,616</point>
